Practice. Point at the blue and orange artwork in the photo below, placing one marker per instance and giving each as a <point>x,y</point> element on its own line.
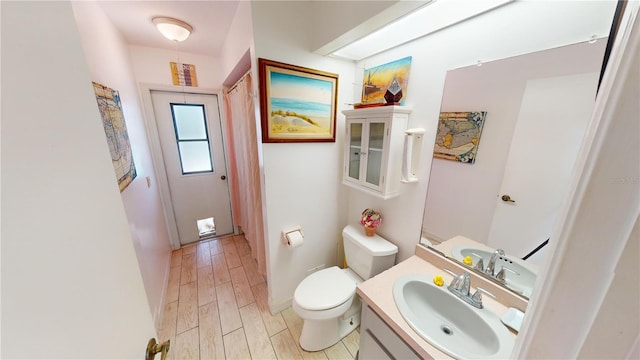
<point>458,135</point>
<point>378,79</point>
<point>115,129</point>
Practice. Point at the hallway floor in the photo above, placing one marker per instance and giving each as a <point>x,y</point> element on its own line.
<point>217,309</point>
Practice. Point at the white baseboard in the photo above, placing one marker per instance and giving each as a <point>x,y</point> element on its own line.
<point>158,314</point>
<point>276,308</point>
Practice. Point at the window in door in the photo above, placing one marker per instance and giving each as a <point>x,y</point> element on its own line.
<point>190,125</point>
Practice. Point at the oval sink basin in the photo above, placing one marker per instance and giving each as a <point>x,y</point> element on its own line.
<point>448,323</point>
<point>522,282</point>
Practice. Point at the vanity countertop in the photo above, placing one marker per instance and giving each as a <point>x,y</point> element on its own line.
<point>447,247</point>
<point>377,292</point>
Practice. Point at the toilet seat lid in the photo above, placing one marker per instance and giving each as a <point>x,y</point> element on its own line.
<point>325,289</point>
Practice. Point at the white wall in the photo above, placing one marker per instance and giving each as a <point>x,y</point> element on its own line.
<point>334,18</point>
<point>109,63</point>
<point>620,311</point>
<point>462,197</point>
<point>302,180</point>
<point>71,285</point>
<point>494,35</point>
<point>151,66</point>
<point>338,23</point>
<point>595,257</point>
<point>234,58</point>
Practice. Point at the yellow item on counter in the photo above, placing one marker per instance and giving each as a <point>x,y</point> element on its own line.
<point>467,260</point>
<point>438,280</point>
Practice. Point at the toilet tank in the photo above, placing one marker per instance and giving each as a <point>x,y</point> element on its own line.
<point>366,255</point>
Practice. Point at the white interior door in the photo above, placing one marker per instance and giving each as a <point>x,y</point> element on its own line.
<point>193,153</point>
<point>551,124</point>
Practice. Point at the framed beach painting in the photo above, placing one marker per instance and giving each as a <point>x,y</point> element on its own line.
<point>297,104</point>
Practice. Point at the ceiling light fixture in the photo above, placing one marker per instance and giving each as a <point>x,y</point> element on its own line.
<point>173,29</point>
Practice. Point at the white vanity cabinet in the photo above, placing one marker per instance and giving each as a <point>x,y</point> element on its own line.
<point>373,149</point>
<point>379,341</point>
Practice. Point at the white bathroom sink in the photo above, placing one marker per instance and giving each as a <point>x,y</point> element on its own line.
<point>448,323</point>
<point>522,281</point>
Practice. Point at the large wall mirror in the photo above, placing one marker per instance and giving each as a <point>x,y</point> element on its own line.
<point>538,106</point>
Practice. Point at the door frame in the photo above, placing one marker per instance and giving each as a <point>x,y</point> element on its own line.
<point>160,170</point>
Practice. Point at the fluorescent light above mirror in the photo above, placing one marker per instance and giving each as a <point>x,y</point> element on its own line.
<point>428,19</point>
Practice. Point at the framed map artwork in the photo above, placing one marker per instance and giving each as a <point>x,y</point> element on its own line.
<point>458,136</point>
<point>115,129</point>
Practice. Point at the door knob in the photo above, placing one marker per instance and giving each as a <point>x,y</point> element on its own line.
<point>153,348</point>
<point>507,198</point>
<point>223,177</point>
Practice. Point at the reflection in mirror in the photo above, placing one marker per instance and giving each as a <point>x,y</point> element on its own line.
<point>538,107</point>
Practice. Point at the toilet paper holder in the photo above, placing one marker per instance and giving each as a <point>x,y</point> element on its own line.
<point>285,232</point>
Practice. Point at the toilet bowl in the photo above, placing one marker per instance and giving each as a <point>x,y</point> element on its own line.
<point>326,300</point>
<point>328,303</point>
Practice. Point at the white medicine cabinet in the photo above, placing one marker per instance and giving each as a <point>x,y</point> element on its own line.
<point>373,149</point>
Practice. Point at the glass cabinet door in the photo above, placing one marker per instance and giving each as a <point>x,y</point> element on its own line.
<point>374,153</point>
<point>355,150</point>
<point>372,149</point>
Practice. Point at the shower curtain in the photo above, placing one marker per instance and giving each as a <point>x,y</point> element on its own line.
<point>244,179</point>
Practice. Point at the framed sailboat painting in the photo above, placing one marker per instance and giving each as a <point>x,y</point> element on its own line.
<point>386,84</point>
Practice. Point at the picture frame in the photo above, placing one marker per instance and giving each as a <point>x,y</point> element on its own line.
<point>115,129</point>
<point>458,135</point>
<point>387,79</point>
<point>297,104</point>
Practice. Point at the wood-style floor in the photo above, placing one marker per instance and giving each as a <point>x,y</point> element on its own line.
<point>216,308</point>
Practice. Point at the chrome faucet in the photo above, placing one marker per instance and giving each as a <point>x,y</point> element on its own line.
<point>490,270</point>
<point>492,262</point>
<point>480,263</point>
<point>461,285</point>
<point>501,274</point>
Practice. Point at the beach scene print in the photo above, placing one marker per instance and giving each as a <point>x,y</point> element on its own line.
<point>300,105</point>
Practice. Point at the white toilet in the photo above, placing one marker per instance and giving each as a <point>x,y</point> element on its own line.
<point>326,300</point>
